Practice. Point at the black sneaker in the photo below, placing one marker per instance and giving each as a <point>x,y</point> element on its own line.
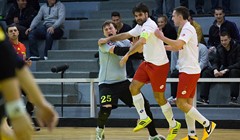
<point>234,101</point>
<point>203,102</point>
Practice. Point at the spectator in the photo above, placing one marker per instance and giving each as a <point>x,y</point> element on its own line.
<point>22,15</point>
<point>203,62</point>
<point>121,27</point>
<point>219,25</point>
<point>20,49</point>
<point>136,59</point>
<point>169,6</point>
<point>168,30</point>
<point>226,65</point>
<point>225,5</point>
<point>53,15</point>
<point>198,5</point>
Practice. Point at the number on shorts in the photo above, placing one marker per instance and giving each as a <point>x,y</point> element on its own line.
<point>105,99</point>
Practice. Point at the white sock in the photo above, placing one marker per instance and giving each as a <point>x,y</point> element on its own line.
<point>193,113</point>
<point>138,102</point>
<point>167,111</point>
<point>190,125</point>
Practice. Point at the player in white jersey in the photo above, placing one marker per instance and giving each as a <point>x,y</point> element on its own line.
<point>154,69</point>
<point>189,72</point>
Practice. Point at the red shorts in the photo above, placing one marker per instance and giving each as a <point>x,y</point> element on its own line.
<point>156,75</point>
<point>187,85</point>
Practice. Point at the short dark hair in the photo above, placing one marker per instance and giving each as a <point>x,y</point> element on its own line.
<point>108,22</point>
<point>224,33</point>
<point>115,14</point>
<point>140,7</point>
<point>219,8</point>
<point>11,25</point>
<point>181,10</point>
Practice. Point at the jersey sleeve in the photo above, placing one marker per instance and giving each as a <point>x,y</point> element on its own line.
<point>185,35</point>
<point>136,31</point>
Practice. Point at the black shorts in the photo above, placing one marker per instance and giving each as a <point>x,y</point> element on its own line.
<point>9,60</point>
<point>110,93</point>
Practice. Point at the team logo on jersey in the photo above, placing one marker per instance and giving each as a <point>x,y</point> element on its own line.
<point>162,86</point>
<point>110,43</point>
<point>184,92</point>
<point>183,34</point>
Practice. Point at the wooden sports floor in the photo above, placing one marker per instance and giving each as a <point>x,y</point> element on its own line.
<point>88,133</point>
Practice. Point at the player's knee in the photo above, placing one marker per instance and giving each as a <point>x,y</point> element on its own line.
<point>134,89</point>
<point>180,104</point>
<point>104,112</point>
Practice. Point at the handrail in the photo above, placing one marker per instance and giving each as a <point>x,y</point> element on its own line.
<point>93,105</point>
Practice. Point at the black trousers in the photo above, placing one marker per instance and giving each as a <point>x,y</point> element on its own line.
<point>208,73</point>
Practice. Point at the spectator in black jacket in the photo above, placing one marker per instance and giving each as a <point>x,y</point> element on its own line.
<point>225,65</point>
<point>219,25</point>
<point>22,15</point>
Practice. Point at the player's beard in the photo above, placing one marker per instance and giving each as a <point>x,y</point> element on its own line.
<point>141,22</point>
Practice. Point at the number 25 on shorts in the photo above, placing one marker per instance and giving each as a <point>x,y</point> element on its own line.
<point>106,98</point>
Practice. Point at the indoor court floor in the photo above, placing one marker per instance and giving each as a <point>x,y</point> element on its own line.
<point>116,133</point>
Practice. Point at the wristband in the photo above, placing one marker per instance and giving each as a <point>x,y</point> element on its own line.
<point>15,108</point>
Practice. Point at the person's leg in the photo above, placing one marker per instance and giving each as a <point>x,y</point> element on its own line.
<point>33,37</point>
<point>184,3</point>
<point>169,4</point>
<point>199,6</point>
<point>226,6</point>
<point>105,109</point>
<point>234,87</point>
<point>58,33</point>
<point>186,91</point>
<point>205,87</point>
<point>174,74</point>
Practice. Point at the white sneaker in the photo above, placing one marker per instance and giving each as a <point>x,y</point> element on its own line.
<point>100,134</point>
<point>45,58</point>
<point>172,100</point>
<point>157,137</point>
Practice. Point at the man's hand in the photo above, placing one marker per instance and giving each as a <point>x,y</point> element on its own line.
<point>123,61</point>
<point>159,34</point>
<point>102,41</point>
<point>50,30</point>
<point>224,71</point>
<point>15,20</point>
<point>28,62</point>
<point>46,116</point>
<point>217,73</point>
<point>28,30</point>
<point>22,127</point>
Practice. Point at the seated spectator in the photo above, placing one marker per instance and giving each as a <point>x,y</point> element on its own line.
<point>225,65</point>
<point>203,62</point>
<point>168,30</point>
<point>53,15</point>
<point>135,60</point>
<point>219,25</point>
<point>22,15</point>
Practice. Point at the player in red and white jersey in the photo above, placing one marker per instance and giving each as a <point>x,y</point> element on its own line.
<point>189,72</point>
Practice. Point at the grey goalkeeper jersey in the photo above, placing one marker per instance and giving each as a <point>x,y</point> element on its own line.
<point>110,70</point>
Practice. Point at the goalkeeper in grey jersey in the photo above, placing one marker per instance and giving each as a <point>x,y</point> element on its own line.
<point>113,82</point>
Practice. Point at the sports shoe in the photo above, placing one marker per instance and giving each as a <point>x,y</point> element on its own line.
<point>234,101</point>
<point>190,138</point>
<point>207,131</point>
<point>203,102</point>
<point>157,137</point>
<point>172,100</point>
<point>100,134</point>
<point>173,131</point>
<point>142,123</point>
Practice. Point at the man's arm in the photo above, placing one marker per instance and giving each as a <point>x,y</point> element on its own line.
<point>175,44</point>
<point>114,38</point>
